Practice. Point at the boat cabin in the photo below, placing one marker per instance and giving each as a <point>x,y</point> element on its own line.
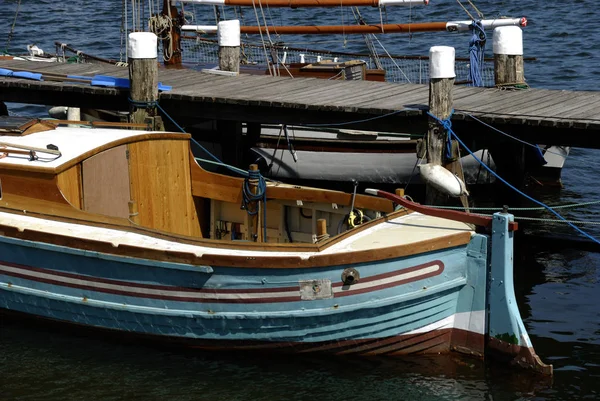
<point>151,180</point>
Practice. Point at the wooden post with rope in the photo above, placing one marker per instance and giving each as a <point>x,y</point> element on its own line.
<point>509,68</point>
<point>441,67</point>
<point>229,45</point>
<point>322,234</point>
<point>143,75</point>
<point>172,41</point>
<point>254,224</point>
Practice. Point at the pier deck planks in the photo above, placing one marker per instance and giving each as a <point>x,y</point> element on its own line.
<point>268,98</point>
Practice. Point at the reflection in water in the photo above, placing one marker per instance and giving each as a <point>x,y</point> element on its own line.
<point>54,365</point>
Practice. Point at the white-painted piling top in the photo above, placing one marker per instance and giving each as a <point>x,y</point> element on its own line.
<point>228,33</point>
<point>72,142</point>
<point>508,40</point>
<point>142,45</point>
<point>441,62</point>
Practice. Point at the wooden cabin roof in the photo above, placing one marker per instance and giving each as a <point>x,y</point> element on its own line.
<point>74,144</point>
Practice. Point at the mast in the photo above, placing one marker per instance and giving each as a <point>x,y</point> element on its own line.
<point>172,40</point>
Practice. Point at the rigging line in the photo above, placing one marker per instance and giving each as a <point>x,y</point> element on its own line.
<point>123,18</point>
<point>343,24</point>
<point>261,38</point>
<point>451,132</point>
<point>367,38</point>
<point>510,136</point>
<point>467,11</point>
<point>351,122</point>
<point>525,209</point>
<point>392,59</point>
<point>271,45</point>
<point>479,13</point>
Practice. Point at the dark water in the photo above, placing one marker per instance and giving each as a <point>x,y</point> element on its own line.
<point>557,282</point>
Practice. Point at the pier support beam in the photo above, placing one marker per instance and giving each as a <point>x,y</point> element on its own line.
<point>508,56</point>
<point>441,69</point>
<point>229,45</point>
<point>143,75</point>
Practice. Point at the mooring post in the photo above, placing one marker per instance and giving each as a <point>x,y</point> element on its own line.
<point>508,56</point>
<point>441,70</point>
<point>322,234</point>
<point>255,220</point>
<point>143,76</point>
<point>73,114</point>
<point>229,45</point>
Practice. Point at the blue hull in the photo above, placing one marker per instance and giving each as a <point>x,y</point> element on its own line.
<point>432,302</point>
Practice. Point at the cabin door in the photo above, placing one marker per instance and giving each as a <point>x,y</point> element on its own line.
<point>105,178</point>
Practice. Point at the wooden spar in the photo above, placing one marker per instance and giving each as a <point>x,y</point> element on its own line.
<point>452,26</point>
<point>469,218</point>
<point>309,3</point>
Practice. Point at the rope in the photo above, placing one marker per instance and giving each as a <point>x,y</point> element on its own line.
<point>464,8</point>
<point>255,182</point>
<point>515,189</point>
<point>351,122</point>
<point>161,26</point>
<point>510,136</point>
<point>476,53</point>
<point>527,209</point>
<point>322,237</point>
<point>272,73</point>
<point>12,28</point>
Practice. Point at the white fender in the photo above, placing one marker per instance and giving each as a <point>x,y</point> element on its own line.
<point>442,180</point>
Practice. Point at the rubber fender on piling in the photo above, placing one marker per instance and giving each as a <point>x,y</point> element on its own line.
<point>442,180</point>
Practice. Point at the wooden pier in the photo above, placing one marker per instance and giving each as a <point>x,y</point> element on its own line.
<point>556,117</point>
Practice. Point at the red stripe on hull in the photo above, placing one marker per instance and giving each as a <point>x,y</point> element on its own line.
<point>182,298</point>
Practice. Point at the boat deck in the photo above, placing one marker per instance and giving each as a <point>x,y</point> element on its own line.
<point>408,229</point>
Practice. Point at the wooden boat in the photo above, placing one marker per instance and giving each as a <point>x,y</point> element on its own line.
<point>122,230</point>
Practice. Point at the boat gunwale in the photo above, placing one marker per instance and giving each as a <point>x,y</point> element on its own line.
<point>342,257</point>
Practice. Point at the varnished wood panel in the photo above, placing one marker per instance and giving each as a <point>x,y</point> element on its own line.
<point>69,184</point>
<point>229,189</point>
<point>105,179</point>
<point>160,184</point>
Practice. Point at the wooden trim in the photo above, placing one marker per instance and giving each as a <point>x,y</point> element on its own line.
<point>70,186</point>
<point>229,189</point>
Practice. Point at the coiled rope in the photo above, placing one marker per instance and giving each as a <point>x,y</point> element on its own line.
<point>441,122</point>
<point>476,53</point>
<point>254,190</point>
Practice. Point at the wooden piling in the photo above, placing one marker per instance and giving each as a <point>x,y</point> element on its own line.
<point>440,105</point>
<point>254,221</point>
<point>143,76</point>
<point>229,45</point>
<point>509,69</point>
